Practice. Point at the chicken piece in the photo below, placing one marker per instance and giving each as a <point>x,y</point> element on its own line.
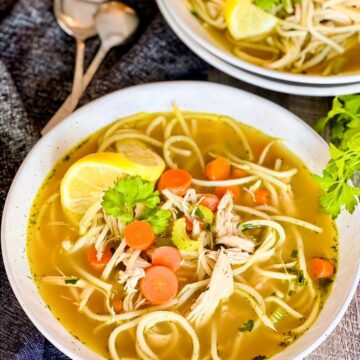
<point>226,222</point>
<point>131,279</point>
<point>236,256</point>
<point>221,286</point>
<point>134,271</point>
<point>234,241</point>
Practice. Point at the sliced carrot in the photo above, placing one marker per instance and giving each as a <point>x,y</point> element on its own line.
<point>139,235</point>
<point>189,224</point>
<point>177,181</point>
<point>117,305</point>
<point>321,268</point>
<point>218,169</point>
<point>98,264</point>
<point>167,256</point>
<point>238,173</point>
<point>211,201</point>
<point>221,190</point>
<point>262,196</point>
<point>159,285</point>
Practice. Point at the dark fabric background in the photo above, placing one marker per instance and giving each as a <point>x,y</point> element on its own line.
<point>36,70</point>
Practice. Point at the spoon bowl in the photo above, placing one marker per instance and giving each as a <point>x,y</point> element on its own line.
<point>76,17</point>
<point>115,24</point>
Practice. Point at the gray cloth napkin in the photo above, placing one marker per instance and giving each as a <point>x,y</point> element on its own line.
<point>36,69</point>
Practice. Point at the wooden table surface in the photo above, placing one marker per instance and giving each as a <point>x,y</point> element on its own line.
<point>344,341</point>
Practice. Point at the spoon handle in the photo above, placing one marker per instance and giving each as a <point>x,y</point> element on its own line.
<point>79,70</point>
<point>72,100</point>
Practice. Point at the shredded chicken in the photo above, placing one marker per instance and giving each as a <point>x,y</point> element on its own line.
<point>226,222</point>
<point>221,286</point>
<point>236,256</point>
<point>234,241</point>
<point>134,271</point>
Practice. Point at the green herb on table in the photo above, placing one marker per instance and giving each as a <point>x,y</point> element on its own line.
<point>344,122</point>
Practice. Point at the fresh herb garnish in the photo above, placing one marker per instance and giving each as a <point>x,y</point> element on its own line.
<point>274,6</point>
<point>120,201</point>
<point>247,227</point>
<point>71,281</point>
<point>248,326</point>
<point>301,278</point>
<point>344,121</point>
<point>294,253</point>
<point>158,219</point>
<point>259,357</point>
<point>325,283</point>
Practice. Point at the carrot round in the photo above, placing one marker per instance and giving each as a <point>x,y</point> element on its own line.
<point>262,196</point>
<point>167,256</point>
<point>177,181</point>
<point>117,305</point>
<point>159,285</point>
<point>321,268</point>
<point>218,169</point>
<point>211,201</point>
<point>139,235</point>
<point>98,264</point>
<point>189,224</point>
<point>221,190</point>
<point>238,173</point>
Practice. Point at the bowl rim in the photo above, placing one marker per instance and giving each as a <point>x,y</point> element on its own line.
<point>68,123</point>
<point>214,48</point>
<point>251,78</point>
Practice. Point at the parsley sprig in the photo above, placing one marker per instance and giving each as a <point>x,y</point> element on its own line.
<point>344,122</point>
<point>120,201</point>
<point>274,6</point>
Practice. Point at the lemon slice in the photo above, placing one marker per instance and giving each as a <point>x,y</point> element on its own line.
<point>86,180</point>
<point>246,20</point>
<point>149,165</point>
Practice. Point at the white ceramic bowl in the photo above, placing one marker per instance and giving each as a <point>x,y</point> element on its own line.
<point>251,78</point>
<point>192,28</point>
<point>195,96</point>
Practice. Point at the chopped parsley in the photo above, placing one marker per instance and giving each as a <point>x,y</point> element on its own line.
<point>71,281</point>
<point>294,253</point>
<point>248,326</point>
<point>301,278</point>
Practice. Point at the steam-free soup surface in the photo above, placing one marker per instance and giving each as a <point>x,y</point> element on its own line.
<point>240,332</point>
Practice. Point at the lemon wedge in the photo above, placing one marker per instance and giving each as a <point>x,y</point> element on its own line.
<point>149,165</point>
<point>86,180</point>
<point>246,20</point>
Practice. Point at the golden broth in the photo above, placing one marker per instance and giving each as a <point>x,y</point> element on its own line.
<point>46,256</point>
<point>350,59</point>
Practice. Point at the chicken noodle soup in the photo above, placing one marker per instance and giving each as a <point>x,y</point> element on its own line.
<point>298,36</point>
<point>182,235</point>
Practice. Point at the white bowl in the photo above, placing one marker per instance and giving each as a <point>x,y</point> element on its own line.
<point>192,27</point>
<point>195,96</point>
<point>254,79</point>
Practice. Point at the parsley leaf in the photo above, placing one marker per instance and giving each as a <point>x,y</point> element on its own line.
<point>158,218</point>
<point>275,6</point>
<point>248,326</point>
<point>344,122</point>
<point>120,201</point>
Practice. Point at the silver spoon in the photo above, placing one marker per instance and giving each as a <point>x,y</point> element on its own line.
<point>115,23</point>
<point>76,18</point>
